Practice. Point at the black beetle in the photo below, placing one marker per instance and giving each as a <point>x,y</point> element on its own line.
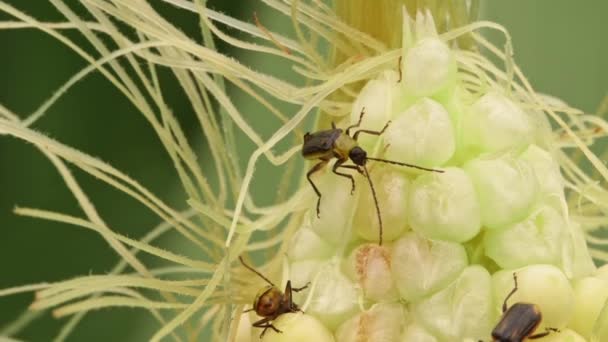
<point>335,143</point>
<point>519,321</point>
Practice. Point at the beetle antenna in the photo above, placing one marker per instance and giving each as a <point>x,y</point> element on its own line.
<point>254,271</point>
<point>371,185</point>
<point>404,164</point>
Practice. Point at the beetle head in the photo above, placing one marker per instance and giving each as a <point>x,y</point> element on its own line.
<point>358,155</point>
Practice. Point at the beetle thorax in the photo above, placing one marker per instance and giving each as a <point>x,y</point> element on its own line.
<point>268,302</point>
<point>344,144</point>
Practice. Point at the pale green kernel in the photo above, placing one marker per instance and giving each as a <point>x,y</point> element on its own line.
<point>416,332</point>
<point>543,285</point>
<point>428,67</point>
<point>245,331</point>
<point>577,261</point>
<point>382,322</point>
<point>461,310</point>
<point>455,107</point>
<point>539,239</point>
<point>590,295</point>
<point>370,266</point>
<point>602,272</point>
<point>298,327</point>
<point>421,267</point>
<point>546,169</point>
<point>375,100</point>
<point>507,189</point>
<point>444,206</point>
<point>306,244</point>
<point>547,172</point>
<point>301,273</point>
<point>337,203</point>
<point>391,189</point>
<point>600,327</point>
<point>495,123</point>
<point>544,137</point>
<point>422,135</point>
<point>565,335</point>
<point>334,298</point>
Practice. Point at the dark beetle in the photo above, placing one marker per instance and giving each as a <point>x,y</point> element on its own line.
<point>271,303</point>
<point>335,143</point>
<point>519,321</point>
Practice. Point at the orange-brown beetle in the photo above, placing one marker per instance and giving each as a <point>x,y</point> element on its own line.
<point>270,302</point>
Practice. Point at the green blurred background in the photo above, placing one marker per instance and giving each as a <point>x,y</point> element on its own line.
<point>560,45</point>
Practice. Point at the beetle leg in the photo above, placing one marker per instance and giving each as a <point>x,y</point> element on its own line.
<point>288,296</point>
<point>245,311</point>
<point>354,167</point>
<point>543,334</point>
<point>289,299</point>
<point>265,323</point>
<point>399,67</point>
<point>504,304</point>
<point>298,289</point>
<point>358,122</point>
<point>356,135</point>
<point>314,169</point>
<point>346,175</point>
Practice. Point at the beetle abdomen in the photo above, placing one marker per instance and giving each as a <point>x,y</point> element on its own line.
<point>320,144</point>
<point>517,323</point>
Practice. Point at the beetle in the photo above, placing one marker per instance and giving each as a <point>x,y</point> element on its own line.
<point>519,321</point>
<point>270,302</point>
<point>336,143</point>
